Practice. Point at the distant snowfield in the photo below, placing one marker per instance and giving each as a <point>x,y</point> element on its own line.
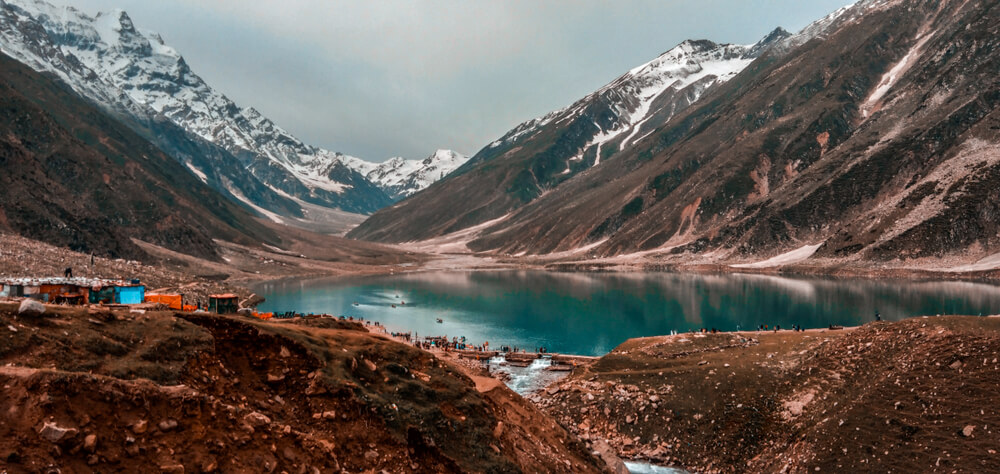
<point>795,256</point>
<point>454,242</point>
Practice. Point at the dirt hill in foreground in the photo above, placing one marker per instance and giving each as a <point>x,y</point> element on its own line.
<point>121,392</point>
<point>919,395</point>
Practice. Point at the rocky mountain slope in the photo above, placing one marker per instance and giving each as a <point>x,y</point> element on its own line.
<point>189,392</point>
<point>539,154</point>
<point>874,140</point>
<point>401,178</point>
<point>917,395</point>
<point>237,150</point>
<point>75,177</point>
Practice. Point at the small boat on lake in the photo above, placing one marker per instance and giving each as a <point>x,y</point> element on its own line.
<point>439,320</point>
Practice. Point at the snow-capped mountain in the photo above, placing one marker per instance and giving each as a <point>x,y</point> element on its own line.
<point>400,177</point>
<point>659,88</point>
<point>134,73</point>
<point>540,154</point>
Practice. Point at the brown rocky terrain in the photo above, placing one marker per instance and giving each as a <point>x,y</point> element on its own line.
<point>919,395</point>
<point>94,390</point>
<point>163,270</point>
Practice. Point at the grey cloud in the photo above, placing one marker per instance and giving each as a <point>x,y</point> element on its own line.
<point>377,79</point>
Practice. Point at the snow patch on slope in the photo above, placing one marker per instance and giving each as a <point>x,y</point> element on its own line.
<point>794,256</point>
<point>239,195</point>
<point>872,103</point>
<point>197,172</point>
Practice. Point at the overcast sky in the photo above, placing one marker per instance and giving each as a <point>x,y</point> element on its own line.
<point>377,79</point>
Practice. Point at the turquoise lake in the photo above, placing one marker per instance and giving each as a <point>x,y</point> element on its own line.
<point>591,313</point>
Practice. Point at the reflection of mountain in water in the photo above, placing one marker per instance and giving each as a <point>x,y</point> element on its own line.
<point>591,313</point>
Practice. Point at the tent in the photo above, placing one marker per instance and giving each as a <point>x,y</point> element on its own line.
<point>171,301</point>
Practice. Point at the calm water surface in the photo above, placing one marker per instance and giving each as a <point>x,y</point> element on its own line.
<point>591,313</point>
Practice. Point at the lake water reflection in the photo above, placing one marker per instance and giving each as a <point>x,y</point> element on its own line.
<point>591,313</point>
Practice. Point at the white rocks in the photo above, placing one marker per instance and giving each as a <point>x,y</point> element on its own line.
<point>967,431</point>
<point>54,433</point>
<point>31,307</point>
<point>256,419</point>
<point>168,425</point>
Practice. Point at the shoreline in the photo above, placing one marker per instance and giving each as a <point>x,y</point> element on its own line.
<point>793,271</point>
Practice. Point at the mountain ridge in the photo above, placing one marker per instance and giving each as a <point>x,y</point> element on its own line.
<point>538,154</point>
<point>869,136</point>
<point>133,73</point>
<point>74,176</point>
<point>401,178</point>
<point>870,143</point>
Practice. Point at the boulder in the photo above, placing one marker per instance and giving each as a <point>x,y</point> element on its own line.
<point>615,463</point>
<point>172,467</point>
<point>31,307</point>
<point>168,425</point>
<point>140,427</point>
<point>275,378</point>
<point>55,433</point>
<point>90,443</point>
<point>315,388</point>
<point>256,419</point>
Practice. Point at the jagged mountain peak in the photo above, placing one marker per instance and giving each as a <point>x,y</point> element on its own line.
<point>444,155</point>
<point>401,177</point>
<point>776,36</point>
<point>540,154</point>
<point>107,59</point>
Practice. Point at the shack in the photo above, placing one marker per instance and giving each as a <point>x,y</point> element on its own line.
<point>73,290</point>
<point>48,290</point>
<point>11,290</point>
<point>116,292</point>
<point>131,294</point>
<point>223,304</point>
